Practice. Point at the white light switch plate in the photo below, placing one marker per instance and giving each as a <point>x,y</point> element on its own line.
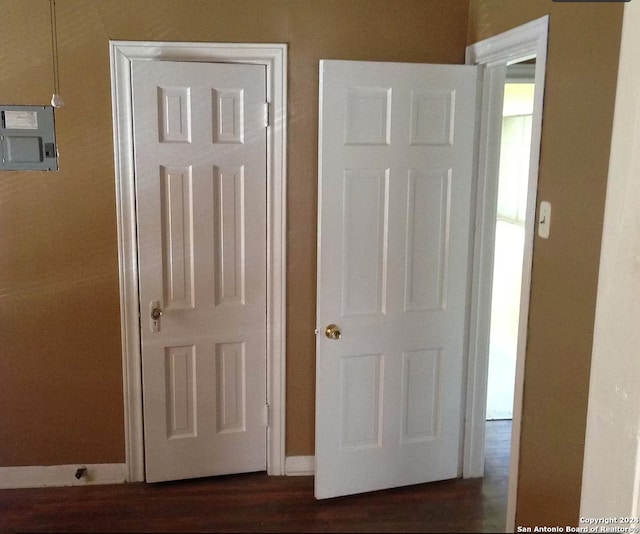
<point>544,219</point>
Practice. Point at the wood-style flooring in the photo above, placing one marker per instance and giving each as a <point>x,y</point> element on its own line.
<point>259,503</point>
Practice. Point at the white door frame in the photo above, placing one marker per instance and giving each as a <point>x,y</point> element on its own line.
<point>494,54</point>
<point>274,58</point>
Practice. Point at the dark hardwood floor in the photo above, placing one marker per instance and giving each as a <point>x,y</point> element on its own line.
<point>259,503</point>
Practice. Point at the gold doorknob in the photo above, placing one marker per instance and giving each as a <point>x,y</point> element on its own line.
<point>332,331</point>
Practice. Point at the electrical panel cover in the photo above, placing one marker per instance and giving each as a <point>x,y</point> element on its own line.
<point>27,139</point>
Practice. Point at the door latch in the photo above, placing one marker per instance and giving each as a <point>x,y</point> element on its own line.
<point>155,313</point>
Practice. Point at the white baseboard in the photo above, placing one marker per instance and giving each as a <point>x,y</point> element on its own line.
<point>300,466</point>
<point>41,476</point>
<point>61,475</point>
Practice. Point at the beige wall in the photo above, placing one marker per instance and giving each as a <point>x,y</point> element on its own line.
<point>610,483</point>
<point>60,349</point>
<point>60,352</point>
<point>584,40</point>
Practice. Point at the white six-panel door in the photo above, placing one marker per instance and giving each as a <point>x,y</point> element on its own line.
<point>200,153</point>
<point>395,171</point>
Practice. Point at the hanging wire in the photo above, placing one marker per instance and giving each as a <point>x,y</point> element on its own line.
<point>56,99</point>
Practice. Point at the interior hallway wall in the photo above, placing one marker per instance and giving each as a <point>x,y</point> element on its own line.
<point>582,62</point>
<point>611,481</point>
<point>61,399</point>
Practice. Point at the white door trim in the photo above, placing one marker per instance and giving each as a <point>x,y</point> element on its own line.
<point>274,57</point>
<point>495,53</point>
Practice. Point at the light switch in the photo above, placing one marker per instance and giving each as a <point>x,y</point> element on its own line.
<point>544,219</point>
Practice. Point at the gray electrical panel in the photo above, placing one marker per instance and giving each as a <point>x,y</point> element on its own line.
<point>28,139</point>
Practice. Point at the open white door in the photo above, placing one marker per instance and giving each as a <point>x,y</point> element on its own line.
<point>200,158</point>
<point>394,239</point>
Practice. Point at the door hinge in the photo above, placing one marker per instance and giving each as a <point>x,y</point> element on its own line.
<point>267,115</point>
<point>266,415</point>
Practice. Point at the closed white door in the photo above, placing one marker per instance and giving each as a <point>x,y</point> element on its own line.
<point>200,156</point>
<point>395,203</point>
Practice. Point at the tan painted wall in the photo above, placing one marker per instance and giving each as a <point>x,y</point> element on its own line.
<point>584,40</point>
<point>60,362</point>
<point>60,349</point>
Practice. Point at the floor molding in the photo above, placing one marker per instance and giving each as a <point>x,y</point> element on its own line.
<point>61,475</point>
<point>300,465</point>
<point>43,476</point>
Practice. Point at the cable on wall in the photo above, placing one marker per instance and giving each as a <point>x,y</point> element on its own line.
<point>56,99</point>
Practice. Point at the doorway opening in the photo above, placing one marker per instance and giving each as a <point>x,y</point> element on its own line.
<point>496,54</point>
<point>508,262</point>
<point>513,177</point>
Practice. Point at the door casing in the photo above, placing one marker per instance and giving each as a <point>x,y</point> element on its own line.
<point>494,54</point>
<point>274,58</point>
